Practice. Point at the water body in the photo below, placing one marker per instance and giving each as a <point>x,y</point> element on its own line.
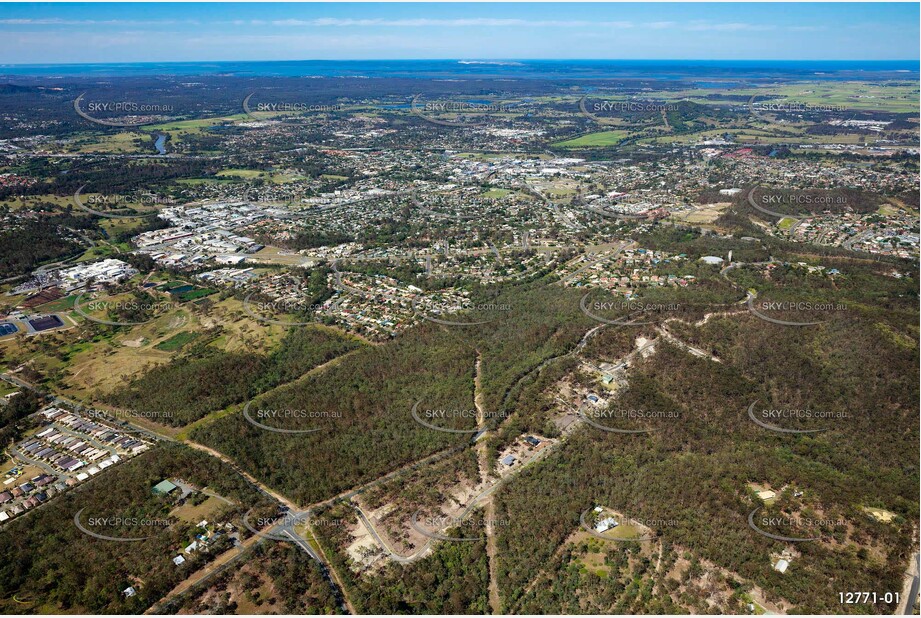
<point>524,69</point>
<point>160,144</point>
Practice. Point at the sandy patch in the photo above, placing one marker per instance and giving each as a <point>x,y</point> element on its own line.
<point>363,550</point>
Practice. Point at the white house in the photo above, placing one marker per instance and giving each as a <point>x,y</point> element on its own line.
<point>606,524</point>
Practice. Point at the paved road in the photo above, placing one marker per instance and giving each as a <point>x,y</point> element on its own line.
<point>479,498</point>
<point>914,572</point>
<point>35,462</point>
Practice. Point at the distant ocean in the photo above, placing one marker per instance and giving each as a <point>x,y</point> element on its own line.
<point>513,69</point>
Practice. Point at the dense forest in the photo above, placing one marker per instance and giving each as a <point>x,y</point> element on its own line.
<point>453,579</point>
<point>17,408</point>
<point>271,578</point>
<point>50,566</point>
<point>694,470</point>
<point>206,379</point>
<point>375,390</point>
<point>591,576</point>
<point>695,467</point>
<point>34,243</point>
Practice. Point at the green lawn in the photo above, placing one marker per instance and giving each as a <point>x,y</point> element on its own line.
<point>61,304</point>
<point>594,140</point>
<point>195,294</point>
<point>240,173</point>
<point>786,223</point>
<point>177,341</point>
<point>625,531</point>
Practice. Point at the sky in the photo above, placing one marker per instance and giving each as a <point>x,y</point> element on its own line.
<point>32,33</point>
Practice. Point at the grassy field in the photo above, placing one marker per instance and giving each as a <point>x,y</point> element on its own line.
<point>594,140</point>
<point>195,294</point>
<point>888,210</point>
<point>899,96</point>
<point>114,227</point>
<point>240,173</point>
<point>177,341</point>
<point>626,531</point>
<point>786,223</point>
<point>746,136</point>
<point>178,129</point>
<point>273,177</point>
<point>195,182</point>
<point>61,304</point>
<point>125,142</point>
<point>6,389</point>
<point>112,356</point>
<point>194,126</point>
<point>32,201</point>
<point>705,214</point>
<point>195,513</point>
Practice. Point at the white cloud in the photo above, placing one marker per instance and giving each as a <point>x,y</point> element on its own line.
<point>481,22</point>
<point>90,22</point>
<point>700,26</point>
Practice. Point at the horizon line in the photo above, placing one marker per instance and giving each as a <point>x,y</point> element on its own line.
<point>492,60</point>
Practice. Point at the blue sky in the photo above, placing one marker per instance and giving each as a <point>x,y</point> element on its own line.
<point>66,33</point>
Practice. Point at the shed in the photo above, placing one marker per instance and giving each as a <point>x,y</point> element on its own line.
<point>163,488</point>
